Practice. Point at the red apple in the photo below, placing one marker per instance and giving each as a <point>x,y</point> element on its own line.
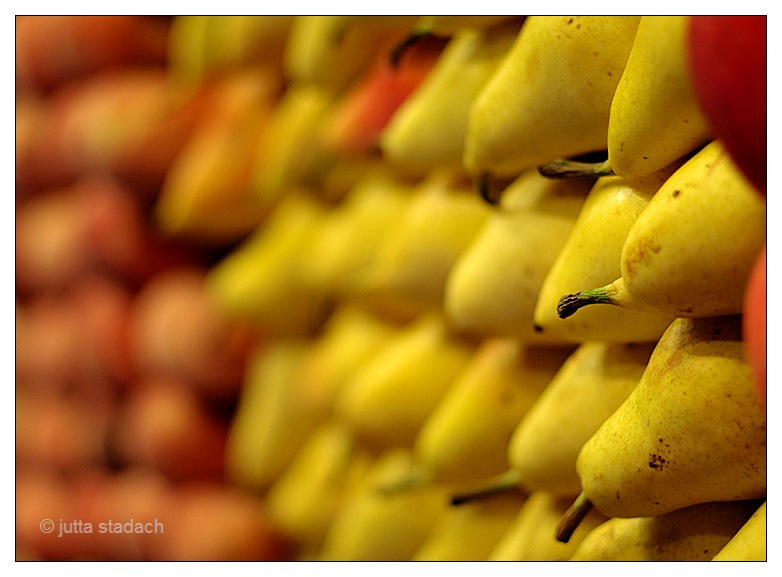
<point>755,325</point>
<point>727,57</point>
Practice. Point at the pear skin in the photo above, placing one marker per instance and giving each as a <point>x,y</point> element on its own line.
<point>592,383</point>
<point>306,496</point>
<point>470,531</point>
<point>373,525</point>
<point>386,400</point>
<point>530,537</point>
<point>428,129</point>
<point>693,533</point>
<point>690,432</point>
<point>700,266</point>
<point>749,542</point>
<point>329,51</point>
<point>450,25</point>
<point>465,437</point>
<point>439,222</point>
<point>206,194</point>
<point>492,288</point>
<point>349,237</point>
<point>691,250</point>
<point>260,279</point>
<point>551,96</point>
<point>264,436</point>
<point>591,257</point>
<point>236,41</point>
<point>291,152</point>
<point>655,118</point>
<point>349,337</point>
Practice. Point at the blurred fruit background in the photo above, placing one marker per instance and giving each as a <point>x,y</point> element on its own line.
<point>264,313</point>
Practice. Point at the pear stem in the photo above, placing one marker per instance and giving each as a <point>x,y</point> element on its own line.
<point>507,481</point>
<point>569,304</point>
<point>573,517</point>
<point>410,40</point>
<point>614,293</point>
<point>561,168</point>
<point>488,193</point>
<point>415,480</point>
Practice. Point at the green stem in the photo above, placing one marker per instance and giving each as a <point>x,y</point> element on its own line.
<point>507,481</point>
<point>561,168</point>
<point>573,517</point>
<point>569,304</point>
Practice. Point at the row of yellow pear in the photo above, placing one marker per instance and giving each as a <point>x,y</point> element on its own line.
<point>415,347</point>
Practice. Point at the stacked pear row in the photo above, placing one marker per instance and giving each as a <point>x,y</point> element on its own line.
<point>440,380</point>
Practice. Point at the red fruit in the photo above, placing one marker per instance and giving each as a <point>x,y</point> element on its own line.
<point>57,431</point>
<point>177,330</point>
<point>205,522</point>
<point>53,49</point>
<point>728,64</point>
<point>366,108</point>
<point>114,504</point>
<point>755,324</point>
<point>42,499</point>
<point>166,426</point>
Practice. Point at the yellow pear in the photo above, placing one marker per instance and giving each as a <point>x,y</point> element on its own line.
<point>492,288</point>
<point>187,48</point>
<point>655,118</point>
<point>466,437</point>
<point>694,533</point>
<point>265,434</point>
<point>349,237</point>
<point>416,256</point>
<point>290,153</point>
<point>331,51</point>
<point>552,94</point>
<point>373,525</point>
<point>591,384</point>
<point>531,535</point>
<point>690,432</point>
<point>207,195</point>
<point>749,542</point>
<point>470,531</point>
<point>349,337</point>
<point>387,399</point>
<point>244,40</point>
<point>260,279</point>
<point>306,496</point>
<point>428,130</point>
<point>591,257</point>
<point>691,250</point>
<point>450,25</point>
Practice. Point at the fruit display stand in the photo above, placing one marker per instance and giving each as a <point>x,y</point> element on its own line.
<point>390,288</point>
